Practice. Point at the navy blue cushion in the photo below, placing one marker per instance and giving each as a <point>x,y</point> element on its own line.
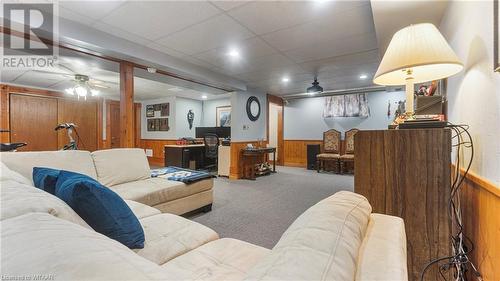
<point>101,208</point>
<point>45,178</point>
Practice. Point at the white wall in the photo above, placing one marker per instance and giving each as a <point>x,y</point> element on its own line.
<point>254,130</point>
<point>474,94</point>
<point>182,106</point>
<point>210,111</point>
<point>303,118</point>
<point>171,120</point>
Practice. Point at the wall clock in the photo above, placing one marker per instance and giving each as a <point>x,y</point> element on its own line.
<point>253,108</point>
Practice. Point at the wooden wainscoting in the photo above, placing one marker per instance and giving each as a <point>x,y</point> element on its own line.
<point>157,146</point>
<point>295,152</point>
<point>235,171</point>
<point>481,220</point>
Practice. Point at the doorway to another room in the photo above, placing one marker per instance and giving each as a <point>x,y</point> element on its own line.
<point>275,127</point>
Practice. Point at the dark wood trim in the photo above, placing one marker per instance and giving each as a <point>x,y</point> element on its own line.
<point>100,107</point>
<point>137,123</point>
<point>127,133</point>
<point>108,122</point>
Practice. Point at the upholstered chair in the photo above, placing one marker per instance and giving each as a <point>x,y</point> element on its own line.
<point>348,155</point>
<point>331,150</point>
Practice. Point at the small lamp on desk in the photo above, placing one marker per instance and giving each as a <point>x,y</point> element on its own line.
<point>417,53</point>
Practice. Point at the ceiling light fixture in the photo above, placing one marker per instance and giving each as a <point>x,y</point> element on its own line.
<point>151,69</point>
<point>233,53</point>
<point>82,87</point>
<point>363,76</point>
<point>204,97</point>
<point>315,88</point>
<point>285,79</point>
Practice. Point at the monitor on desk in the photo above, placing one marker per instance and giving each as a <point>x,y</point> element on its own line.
<point>221,132</point>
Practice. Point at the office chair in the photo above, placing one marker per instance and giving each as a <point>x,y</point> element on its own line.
<point>211,149</point>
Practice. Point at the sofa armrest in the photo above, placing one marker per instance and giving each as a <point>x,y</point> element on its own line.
<point>382,255</point>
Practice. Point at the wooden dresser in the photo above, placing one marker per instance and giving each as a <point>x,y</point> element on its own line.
<point>406,173</point>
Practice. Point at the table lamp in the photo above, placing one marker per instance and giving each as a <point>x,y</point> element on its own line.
<point>417,53</point>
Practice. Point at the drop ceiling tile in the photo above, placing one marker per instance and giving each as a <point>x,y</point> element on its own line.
<point>93,10</point>
<point>249,49</point>
<point>36,79</point>
<point>74,16</point>
<point>197,61</point>
<point>9,75</point>
<point>227,5</point>
<point>354,44</point>
<point>335,63</point>
<point>358,20</point>
<point>267,16</point>
<point>210,34</point>
<point>156,19</point>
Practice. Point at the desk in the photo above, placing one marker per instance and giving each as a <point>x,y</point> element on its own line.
<point>190,156</point>
<point>253,156</point>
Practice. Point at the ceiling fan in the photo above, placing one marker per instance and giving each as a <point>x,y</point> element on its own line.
<point>84,84</point>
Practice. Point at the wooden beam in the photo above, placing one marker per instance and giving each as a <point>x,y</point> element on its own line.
<point>127,118</point>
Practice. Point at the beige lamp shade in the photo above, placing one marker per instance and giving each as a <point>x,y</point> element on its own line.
<point>420,52</point>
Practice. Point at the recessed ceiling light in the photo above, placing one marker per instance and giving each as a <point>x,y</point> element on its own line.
<point>204,97</point>
<point>285,79</point>
<point>233,53</point>
<point>363,76</point>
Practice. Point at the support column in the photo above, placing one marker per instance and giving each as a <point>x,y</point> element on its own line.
<point>127,117</point>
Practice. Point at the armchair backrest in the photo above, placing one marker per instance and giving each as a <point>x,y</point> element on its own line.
<point>331,141</point>
<point>349,140</point>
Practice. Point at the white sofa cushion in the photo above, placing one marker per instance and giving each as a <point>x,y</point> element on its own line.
<point>18,199</point>
<point>382,256</point>
<point>223,259</point>
<point>322,244</point>
<point>40,244</point>
<point>154,191</point>
<point>8,174</point>
<point>168,236</point>
<point>78,161</point>
<point>121,165</point>
<point>141,210</point>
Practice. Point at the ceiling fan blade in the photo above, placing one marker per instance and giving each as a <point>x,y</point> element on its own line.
<point>93,84</point>
<point>53,73</point>
<point>67,68</point>
<point>94,80</point>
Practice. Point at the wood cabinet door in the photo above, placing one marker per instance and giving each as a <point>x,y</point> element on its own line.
<point>84,115</point>
<point>32,120</point>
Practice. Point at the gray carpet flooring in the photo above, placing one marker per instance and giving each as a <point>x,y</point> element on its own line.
<point>260,211</point>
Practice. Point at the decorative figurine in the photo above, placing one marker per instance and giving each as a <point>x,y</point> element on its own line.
<point>190,118</point>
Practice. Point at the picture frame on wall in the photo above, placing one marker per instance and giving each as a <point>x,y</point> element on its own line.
<point>150,112</point>
<point>165,109</point>
<point>151,125</point>
<point>163,124</point>
<point>496,36</point>
<point>223,116</point>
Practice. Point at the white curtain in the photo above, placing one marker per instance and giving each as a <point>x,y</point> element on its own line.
<point>355,105</point>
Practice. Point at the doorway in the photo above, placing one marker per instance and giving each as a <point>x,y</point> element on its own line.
<point>275,127</point>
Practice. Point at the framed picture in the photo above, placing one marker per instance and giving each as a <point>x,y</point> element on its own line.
<point>223,116</point>
<point>150,112</point>
<point>164,124</point>
<point>157,107</point>
<point>151,125</point>
<point>165,109</point>
<point>496,36</point>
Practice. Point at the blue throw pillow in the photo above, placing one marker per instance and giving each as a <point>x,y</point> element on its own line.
<point>101,208</point>
<point>45,179</point>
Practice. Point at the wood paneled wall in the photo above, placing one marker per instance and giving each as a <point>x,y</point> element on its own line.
<point>157,146</point>
<point>83,113</point>
<point>295,152</point>
<point>235,171</point>
<point>481,220</point>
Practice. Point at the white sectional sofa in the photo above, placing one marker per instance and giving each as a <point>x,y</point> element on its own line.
<point>336,239</point>
<point>125,171</point>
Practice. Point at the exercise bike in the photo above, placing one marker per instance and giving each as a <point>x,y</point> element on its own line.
<point>11,147</point>
<point>69,127</point>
